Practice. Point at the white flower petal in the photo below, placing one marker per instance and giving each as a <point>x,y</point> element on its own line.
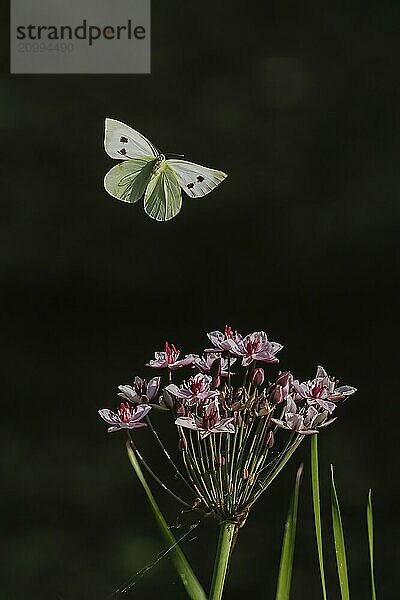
<point>187,422</point>
<point>153,387</point>
<point>140,412</point>
<point>321,372</point>
<point>109,416</point>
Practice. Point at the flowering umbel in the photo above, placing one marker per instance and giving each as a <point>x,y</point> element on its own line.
<point>236,430</point>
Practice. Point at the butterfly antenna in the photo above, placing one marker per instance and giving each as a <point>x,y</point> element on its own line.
<point>174,155</point>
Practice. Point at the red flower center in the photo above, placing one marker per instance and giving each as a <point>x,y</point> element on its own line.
<point>253,346</point>
<point>171,353</point>
<point>317,390</point>
<point>228,333</point>
<point>140,388</point>
<point>210,420</point>
<point>125,412</point>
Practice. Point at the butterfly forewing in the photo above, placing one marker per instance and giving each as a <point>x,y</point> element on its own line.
<point>194,179</point>
<point>128,180</point>
<point>163,198</point>
<point>123,142</point>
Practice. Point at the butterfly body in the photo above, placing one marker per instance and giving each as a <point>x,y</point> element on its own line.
<point>145,172</point>
<point>158,165</point>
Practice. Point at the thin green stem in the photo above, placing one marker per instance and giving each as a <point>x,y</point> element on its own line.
<point>276,469</point>
<point>209,468</point>
<point>226,538</point>
<point>232,464</point>
<point>216,469</point>
<point>167,455</point>
<point>154,476</point>
<point>192,474</point>
<point>229,370</point>
<point>241,451</point>
<point>253,458</point>
<point>199,472</point>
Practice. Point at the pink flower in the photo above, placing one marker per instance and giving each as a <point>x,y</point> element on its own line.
<point>304,421</point>
<point>196,389</point>
<point>256,346</point>
<point>141,391</point>
<point>205,363</point>
<point>322,391</point>
<point>127,417</point>
<point>169,359</point>
<point>209,422</point>
<point>226,340</point>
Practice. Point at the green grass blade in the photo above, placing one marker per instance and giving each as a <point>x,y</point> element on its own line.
<point>340,548</point>
<point>185,571</point>
<point>370,528</point>
<point>317,509</point>
<point>288,544</point>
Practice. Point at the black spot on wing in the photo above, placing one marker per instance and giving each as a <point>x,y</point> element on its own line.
<point>124,140</point>
<point>122,151</point>
<point>200,178</point>
<point>190,185</point>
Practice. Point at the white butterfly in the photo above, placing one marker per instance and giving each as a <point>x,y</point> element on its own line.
<point>146,172</point>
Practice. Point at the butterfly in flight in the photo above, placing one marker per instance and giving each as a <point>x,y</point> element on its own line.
<point>146,172</point>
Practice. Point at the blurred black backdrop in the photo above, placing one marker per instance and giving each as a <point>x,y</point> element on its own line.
<point>298,103</point>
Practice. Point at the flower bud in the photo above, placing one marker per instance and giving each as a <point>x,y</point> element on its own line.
<point>269,440</point>
<point>182,444</point>
<point>279,390</point>
<point>277,395</point>
<point>180,410</point>
<point>140,386</point>
<point>258,377</point>
<point>220,460</point>
<point>215,372</point>
<point>167,400</point>
<point>285,380</point>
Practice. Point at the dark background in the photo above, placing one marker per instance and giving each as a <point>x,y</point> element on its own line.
<point>298,103</point>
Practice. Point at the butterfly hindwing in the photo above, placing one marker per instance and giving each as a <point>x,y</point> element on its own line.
<point>194,179</point>
<point>163,198</point>
<point>123,142</point>
<point>128,180</point>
